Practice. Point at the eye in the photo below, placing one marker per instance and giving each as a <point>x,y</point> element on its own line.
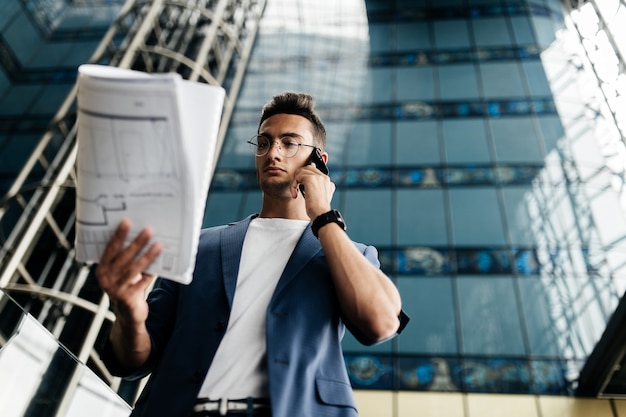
<point>289,143</point>
<point>262,142</point>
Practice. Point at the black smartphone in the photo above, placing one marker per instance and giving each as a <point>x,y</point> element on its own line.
<point>316,158</point>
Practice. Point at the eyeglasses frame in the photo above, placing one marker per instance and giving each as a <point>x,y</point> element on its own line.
<point>280,149</point>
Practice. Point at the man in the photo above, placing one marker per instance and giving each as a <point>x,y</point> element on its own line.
<point>258,331</point>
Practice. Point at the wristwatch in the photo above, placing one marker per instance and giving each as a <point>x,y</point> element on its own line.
<point>332,216</point>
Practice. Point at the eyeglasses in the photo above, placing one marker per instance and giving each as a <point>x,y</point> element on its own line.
<point>287,145</point>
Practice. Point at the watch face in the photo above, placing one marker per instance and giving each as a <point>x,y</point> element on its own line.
<point>332,216</point>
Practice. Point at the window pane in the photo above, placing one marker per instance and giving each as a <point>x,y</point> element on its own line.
<point>516,140</point>
<point>412,36</point>
<point>476,217</point>
<point>222,208</point>
<point>465,141</point>
<point>415,83</point>
<point>421,217</point>
<point>380,37</point>
<point>417,143</point>
<point>377,85</point>
<point>502,80</point>
<point>369,144</point>
<point>522,30</point>
<point>371,208</point>
<point>517,202</point>
<point>552,131</point>
<point>536,76</point>
<point>451,34</point>
<point>485,30</point>
<point>432,328</point>
<point>458,82</point>
<point>541,318</point>
<point>490,321</point>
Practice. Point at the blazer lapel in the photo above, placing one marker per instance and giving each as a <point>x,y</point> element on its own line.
<point>308,246</point>
<point>231,246</point>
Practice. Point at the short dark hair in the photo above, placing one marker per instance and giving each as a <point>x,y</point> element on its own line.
<point>300,104</point>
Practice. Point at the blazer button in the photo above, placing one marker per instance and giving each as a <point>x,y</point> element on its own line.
<point>197,376</point>
<point>220,326</point>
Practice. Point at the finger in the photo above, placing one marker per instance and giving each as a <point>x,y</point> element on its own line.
<point>137,268</point>
<point>134,248</point>
<point>116,242</point>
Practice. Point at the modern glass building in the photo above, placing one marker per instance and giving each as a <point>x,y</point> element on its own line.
<point>478,144</point>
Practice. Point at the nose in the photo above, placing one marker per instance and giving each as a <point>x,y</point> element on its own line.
<point>274,150</point>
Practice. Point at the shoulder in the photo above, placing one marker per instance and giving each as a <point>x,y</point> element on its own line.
<point>216,231</point>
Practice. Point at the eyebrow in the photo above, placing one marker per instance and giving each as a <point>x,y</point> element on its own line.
<point>282,135</point>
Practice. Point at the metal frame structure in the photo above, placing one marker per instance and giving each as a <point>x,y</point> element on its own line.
<point>207,41</point>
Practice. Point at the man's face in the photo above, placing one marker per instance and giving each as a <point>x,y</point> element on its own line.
<point>275,171</point>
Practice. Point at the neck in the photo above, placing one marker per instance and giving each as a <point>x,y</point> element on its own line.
<point>288,208</point>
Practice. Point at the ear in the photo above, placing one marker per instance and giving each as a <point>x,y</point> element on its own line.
<point>325,157</point>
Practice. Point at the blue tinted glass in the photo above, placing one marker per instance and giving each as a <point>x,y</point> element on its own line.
<point>496,375</point>
<point>369,144</point>
<point>518,205</point>
<point>544,29</point>
<point>380,37</point>
<point>23,37</point>
<point>377,87</point>
<point>7,10</point>
<point>421,217</point>
<point>490,321</point>
<point>412,36</point>
<point>451,34</point>
<point>522,30</point>
<point>415,83</point>
<point>429,373</point>
<point>15,151</point>
<point>483,261</point>
<point>50,98</point>
<point>501,80</point>
<point>236,152</point>
<point>550,377</point>
<point>52,54</point>
<point>465,141</point>
<point>371,208</point>
<point>476,217</point>
<point>537,82</point>
<point>417,143</point>
<point>485,30</point>
<point>516,140</point>
<point>19,98</point>
<point>423,260</point>
<point>458,82</point>
<point>433,328</point>
<point>370,371</point>
<point>552,131</point>
<point>252,201</point>
<point>80,53</point>
<point>541,322</point>
<point>222,208</point>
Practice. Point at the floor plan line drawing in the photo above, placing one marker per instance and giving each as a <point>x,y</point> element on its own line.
<point>145,152</point>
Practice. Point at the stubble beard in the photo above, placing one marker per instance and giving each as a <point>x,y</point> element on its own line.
<point>276,189</point>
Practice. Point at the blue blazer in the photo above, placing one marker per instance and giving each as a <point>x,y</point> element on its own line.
<point>306,371</point>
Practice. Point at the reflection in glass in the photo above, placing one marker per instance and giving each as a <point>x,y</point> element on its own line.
<point>42,378</point>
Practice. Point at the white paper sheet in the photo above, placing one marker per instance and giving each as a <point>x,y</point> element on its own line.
<point>146,143</point>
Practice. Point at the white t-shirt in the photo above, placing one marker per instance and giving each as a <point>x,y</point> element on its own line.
<point>239,369</point>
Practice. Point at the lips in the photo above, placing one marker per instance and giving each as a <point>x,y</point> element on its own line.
<point>272,169</point>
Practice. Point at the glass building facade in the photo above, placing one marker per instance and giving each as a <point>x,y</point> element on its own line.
<point>455,142</point>
<point>476,143</point>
